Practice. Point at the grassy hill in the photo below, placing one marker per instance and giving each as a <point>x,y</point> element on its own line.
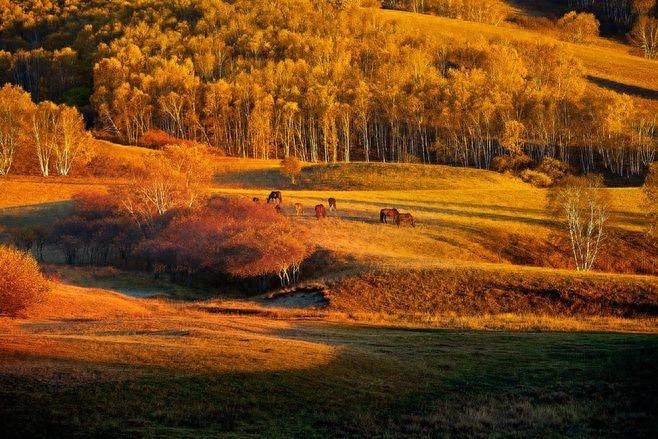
<point>491,225</point>
<point>93,363</point>
<point>241,173</point>
<point>405,347</point>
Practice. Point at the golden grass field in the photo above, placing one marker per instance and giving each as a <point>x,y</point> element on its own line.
<point>417,359</point>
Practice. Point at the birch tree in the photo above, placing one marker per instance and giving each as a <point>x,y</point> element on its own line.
<point>44,124</point>
<point>582,207</point>
<point>15,107</point>
<point>73,142</point>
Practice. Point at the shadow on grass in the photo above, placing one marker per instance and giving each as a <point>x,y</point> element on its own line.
<point>34,215</point>
<point>620,87</point>
<point>131,283</point>
<point>253,179</point>
<point>514,214</point>
<point>382,382</point>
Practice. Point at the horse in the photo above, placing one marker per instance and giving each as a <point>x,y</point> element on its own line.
<point>320,211</point>
<point>390,212</point>
<point>275,195</point>
<point>299,209</point>
<point>332,203</point>
<point>256,200</point>
<point>406,218</point>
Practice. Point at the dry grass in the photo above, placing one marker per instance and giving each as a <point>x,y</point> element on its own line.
<point>425,294</point>
<point>19,191</point>
<point>506,225</point>
<point>93,363</point>
<point>91,325</point>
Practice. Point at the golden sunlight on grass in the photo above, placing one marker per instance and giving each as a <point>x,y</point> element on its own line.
<point>90,325</point>
<point>27,191</point>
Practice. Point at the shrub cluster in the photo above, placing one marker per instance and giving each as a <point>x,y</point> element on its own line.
<point>21,282</point>
<point>220,237</point>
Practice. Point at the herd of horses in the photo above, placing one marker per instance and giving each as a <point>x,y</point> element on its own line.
<point>321,212</point>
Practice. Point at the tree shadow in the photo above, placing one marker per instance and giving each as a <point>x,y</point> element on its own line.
<point>620,87</point>
<point>34,215</point>
<point>381,382</point>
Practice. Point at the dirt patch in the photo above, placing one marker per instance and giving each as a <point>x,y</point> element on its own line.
<point>312,296</point>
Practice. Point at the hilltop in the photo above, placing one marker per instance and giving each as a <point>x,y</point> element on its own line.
<point>607,63</point>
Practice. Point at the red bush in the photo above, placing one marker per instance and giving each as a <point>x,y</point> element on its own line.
<point>157,139</point>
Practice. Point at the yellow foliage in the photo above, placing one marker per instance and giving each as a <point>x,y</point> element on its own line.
<point>21,283</point>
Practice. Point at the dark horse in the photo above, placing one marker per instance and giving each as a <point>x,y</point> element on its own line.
<point>275,195</point>
<point>332,204</point>
<point>320,211</point>
<point>385,213</point>
<point>404,218</point>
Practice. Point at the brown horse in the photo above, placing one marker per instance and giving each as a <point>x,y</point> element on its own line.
<point>332,203</point>
<point>386,213</point>
<point>320,211</point>
<point>406,218</point>
<point>299,209</point>
<point>275,195</point>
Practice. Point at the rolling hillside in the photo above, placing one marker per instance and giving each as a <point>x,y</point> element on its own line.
<point>429,331</point>
<point>607,63</point>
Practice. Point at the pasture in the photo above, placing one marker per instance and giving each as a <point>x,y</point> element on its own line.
<point>459,326</point>
<point>94,363</point>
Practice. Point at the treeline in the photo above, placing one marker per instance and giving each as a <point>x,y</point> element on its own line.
<point>323,81</point>
<point>618,16</point>
<point>481,11</point>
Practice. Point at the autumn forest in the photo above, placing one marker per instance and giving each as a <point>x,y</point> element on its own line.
<point>323,81</point>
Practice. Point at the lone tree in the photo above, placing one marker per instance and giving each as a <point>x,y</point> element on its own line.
<point>645,35</point>
<point>582,205</point>
<point>291,167</point>
<point>650,189</point>
<point>578,27</point>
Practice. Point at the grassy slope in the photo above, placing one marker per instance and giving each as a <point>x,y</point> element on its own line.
<point>465,219</point>
<point>606,62</point>
<point>92,363</point>
<point>88,362</point>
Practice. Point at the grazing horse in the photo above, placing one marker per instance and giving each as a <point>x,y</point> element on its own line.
<point>299,209</point>
<point>385,213</point>
<point>406,218</point>
<point>320,211</point>
<point>332,203</point>
<point>256,200</point>
<point>275,195</point>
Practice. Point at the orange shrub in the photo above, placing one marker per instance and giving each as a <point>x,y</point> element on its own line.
<point>21,281</point>
<point>554,168</point>
<point>157,139</point>
<point>506,163</point>
<point>536,178</point>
